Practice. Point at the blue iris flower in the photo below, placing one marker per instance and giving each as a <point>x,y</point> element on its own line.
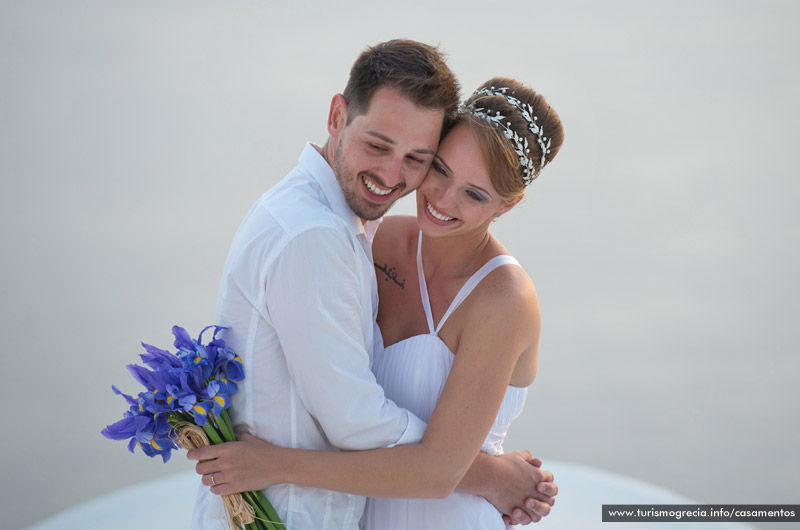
<point>196,381</point>
<point>159,359</point>
<point>217,393</point>
<point>201,411</point>
<point>155,439</point>
<point>155,402</point>
<point>146,430</point>
<point>233,367</point>
<point>227,386</point>
<point>178,399</point>
<point>127,427</point>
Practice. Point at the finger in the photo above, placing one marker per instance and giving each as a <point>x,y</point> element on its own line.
<point>538,507</point>
<point>222,486</point>
<point>224,489</point>
<point>548,488</point>
<point>547,476</point>
<point>206,467</point>
<point>535,462</point>
<point>507,520</point>
<point>520,516</point>
<point>208,452</point>
<point>543,498</point>
<point>213,480</point>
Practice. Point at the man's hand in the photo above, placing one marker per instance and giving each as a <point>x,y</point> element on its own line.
<point>234,467</point>
<point>522,490</point>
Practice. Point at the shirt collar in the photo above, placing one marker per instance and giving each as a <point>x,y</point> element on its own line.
<point>322,173</point>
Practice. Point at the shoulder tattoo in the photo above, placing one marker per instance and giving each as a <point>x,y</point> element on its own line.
<point>390,273</point>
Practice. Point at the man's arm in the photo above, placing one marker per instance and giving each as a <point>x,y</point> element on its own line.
<point>314,300</point>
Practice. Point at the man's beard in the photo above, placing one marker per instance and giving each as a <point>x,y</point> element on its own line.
<point>348,181</point>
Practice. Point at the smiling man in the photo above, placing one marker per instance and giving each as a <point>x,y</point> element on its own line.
<point>298,289</point>
<point>383,154</point>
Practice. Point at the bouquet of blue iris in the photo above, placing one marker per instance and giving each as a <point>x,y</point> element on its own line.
<point>185,404</point>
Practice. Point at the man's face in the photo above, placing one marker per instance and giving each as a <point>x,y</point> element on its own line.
<point>385,153</point>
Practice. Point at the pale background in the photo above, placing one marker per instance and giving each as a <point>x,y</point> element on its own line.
<point>663,240</point>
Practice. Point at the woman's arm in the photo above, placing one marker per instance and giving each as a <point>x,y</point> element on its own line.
<point>506,324</point>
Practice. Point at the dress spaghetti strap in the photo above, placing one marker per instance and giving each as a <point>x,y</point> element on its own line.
<point>463,293</point>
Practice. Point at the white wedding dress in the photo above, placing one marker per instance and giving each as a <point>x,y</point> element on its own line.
<point>413,372</point>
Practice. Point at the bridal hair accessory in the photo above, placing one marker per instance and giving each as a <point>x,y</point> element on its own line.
<point>520,144</point>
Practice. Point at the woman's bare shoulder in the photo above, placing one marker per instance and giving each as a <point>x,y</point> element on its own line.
<point>505,313</point>
<point>396,233</point>
<point>509,296</point>
<point>393,224</point>
<point>509,289</point>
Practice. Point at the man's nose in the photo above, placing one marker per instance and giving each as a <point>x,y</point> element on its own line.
<point>392,172</point>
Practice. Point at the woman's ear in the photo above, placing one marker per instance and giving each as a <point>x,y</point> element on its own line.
<point>337,116</point>
<point>507,206</point>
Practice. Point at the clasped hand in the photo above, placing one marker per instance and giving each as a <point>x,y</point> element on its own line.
<point>526,493</point>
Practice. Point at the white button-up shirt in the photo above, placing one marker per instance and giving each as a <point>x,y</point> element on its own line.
<point>299,294</point>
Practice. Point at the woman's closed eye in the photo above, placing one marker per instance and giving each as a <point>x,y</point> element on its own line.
<point>475,196</point>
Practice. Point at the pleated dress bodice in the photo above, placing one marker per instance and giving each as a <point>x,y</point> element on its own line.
<point>413,373</point>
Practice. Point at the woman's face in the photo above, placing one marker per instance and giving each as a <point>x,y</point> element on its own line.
<point>457,195</point>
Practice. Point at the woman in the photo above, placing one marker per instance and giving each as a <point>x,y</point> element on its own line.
<point>460,328</point>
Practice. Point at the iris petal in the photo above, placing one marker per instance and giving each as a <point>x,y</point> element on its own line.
<point>182,339</point>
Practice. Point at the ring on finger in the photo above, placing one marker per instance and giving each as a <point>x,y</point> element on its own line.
<point>212,479</point>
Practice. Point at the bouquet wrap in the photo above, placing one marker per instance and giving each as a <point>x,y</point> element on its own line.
<point>190,436</point>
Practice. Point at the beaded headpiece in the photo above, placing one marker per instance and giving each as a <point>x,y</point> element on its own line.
<point>520,144</point>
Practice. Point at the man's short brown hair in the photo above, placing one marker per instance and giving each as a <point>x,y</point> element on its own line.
<point>416,70</point>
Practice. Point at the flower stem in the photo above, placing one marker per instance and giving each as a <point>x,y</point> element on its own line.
<point>265,513</point>
<point>224,423</point>
<point>212,433</point>
<point>262,500</point>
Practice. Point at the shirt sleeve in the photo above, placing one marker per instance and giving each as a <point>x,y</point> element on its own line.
<point>314,299</point>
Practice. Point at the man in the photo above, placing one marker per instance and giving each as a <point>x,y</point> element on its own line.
<point>299,292</point>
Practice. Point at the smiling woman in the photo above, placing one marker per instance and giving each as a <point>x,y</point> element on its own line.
<point>504,136</point>
<point>458,190</point>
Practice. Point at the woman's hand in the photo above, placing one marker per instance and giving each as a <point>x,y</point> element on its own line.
<point>538,506</point>
<point>525,491</point>
<point>250,464</point>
